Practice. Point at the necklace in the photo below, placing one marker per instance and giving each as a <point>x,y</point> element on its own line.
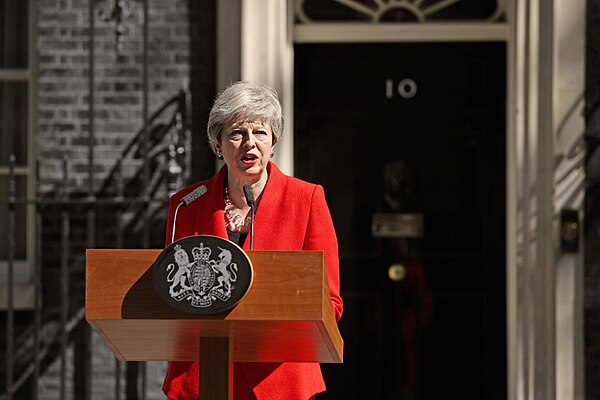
<point>233,215</point>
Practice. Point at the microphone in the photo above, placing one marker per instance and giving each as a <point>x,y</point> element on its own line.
<point>186,200</point>
<point>252,203</point>
<point>193,195</point>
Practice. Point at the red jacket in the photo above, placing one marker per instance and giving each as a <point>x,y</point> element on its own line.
<point>293,215</point>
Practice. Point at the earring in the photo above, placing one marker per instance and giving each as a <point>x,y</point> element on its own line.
<point>272,154</point>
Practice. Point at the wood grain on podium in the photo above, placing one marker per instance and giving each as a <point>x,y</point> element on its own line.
<point>285,316</point>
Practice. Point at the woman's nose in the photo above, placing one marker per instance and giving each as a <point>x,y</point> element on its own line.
<point>249,140</point>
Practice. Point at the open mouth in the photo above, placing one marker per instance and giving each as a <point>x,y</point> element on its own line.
<point>249,158</point>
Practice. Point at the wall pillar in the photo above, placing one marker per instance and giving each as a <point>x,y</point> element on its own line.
<point>545,176</point>
<point>268,57</point>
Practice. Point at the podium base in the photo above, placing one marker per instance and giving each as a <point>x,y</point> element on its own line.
<point>216,368</point>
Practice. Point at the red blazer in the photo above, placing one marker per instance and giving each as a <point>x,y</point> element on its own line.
<point>293,215</point>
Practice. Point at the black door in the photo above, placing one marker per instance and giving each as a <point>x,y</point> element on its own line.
<point>411,129</point>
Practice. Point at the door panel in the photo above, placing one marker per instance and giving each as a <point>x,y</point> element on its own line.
<point>430,116</point>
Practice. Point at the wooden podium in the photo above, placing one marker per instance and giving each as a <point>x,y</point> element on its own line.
<point>285,316</point>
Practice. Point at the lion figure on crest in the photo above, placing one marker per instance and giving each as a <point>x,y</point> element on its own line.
<point>181,274</point>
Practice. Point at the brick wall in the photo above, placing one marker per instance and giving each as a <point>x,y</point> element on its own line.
<point>592,217</point>
<point>63,83</point>
<point>63,127</point>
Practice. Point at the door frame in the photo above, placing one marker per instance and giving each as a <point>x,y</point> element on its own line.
<point>544,55</point>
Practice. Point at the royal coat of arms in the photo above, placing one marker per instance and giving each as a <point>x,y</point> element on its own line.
<point>202,275</point>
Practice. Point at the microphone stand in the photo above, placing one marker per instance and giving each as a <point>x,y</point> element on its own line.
<point>252,203</point>
<point>187,199</point>
<point>251,228</point>
<point>181,203</point>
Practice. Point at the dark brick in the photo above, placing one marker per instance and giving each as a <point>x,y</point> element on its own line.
<point>61,45</point>
<point>121,100</point>
<point>46,58</point>
<point>62,18</point>
<point>103,86</point>
<point>78,59</point>
<point>127,86</point>
<point>57,100</point>
<point>46,114</point>
<point>78,85</point>
<point>62,127</point>
<point>79,32</point>
<point>80,4</point>
<point>52,86</point>
<point>56,72</point>
<point>123,72</point>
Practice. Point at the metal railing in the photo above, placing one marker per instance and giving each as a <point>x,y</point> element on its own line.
<point>117,214</point>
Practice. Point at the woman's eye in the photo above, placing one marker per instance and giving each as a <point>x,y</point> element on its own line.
<point>235,135</point>
<point>261,133</point>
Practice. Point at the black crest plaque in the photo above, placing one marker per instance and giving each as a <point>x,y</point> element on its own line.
<point>202,274</point>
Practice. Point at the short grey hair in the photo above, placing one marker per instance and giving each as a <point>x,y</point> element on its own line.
<point>247,98</point>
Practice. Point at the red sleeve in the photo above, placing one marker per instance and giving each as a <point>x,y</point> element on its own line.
<point>320,235</point>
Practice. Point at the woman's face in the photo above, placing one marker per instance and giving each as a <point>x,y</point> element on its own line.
<point>246,145</point>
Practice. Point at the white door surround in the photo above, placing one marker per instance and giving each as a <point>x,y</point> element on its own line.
<point>545,64</point>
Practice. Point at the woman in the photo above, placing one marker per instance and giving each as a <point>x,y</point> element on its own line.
<point>244,125</point>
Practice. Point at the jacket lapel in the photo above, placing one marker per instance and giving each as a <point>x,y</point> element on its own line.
<point>209,219</point>
<point>266,215</point>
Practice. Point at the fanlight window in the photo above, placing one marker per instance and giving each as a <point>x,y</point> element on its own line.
<point>398,11</point>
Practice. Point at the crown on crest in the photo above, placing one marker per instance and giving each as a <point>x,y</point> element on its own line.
<point>201,253</point>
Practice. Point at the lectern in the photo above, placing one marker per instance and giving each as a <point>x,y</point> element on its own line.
<point>285,316</point>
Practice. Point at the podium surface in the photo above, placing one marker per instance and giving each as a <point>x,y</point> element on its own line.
<point>286,316</point>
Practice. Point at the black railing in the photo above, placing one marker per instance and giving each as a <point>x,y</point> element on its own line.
<point>127,201</point>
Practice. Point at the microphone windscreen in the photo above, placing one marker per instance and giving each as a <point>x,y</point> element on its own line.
<point>193,195</point>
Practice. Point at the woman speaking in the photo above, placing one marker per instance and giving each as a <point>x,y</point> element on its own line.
<point>244,125</point>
